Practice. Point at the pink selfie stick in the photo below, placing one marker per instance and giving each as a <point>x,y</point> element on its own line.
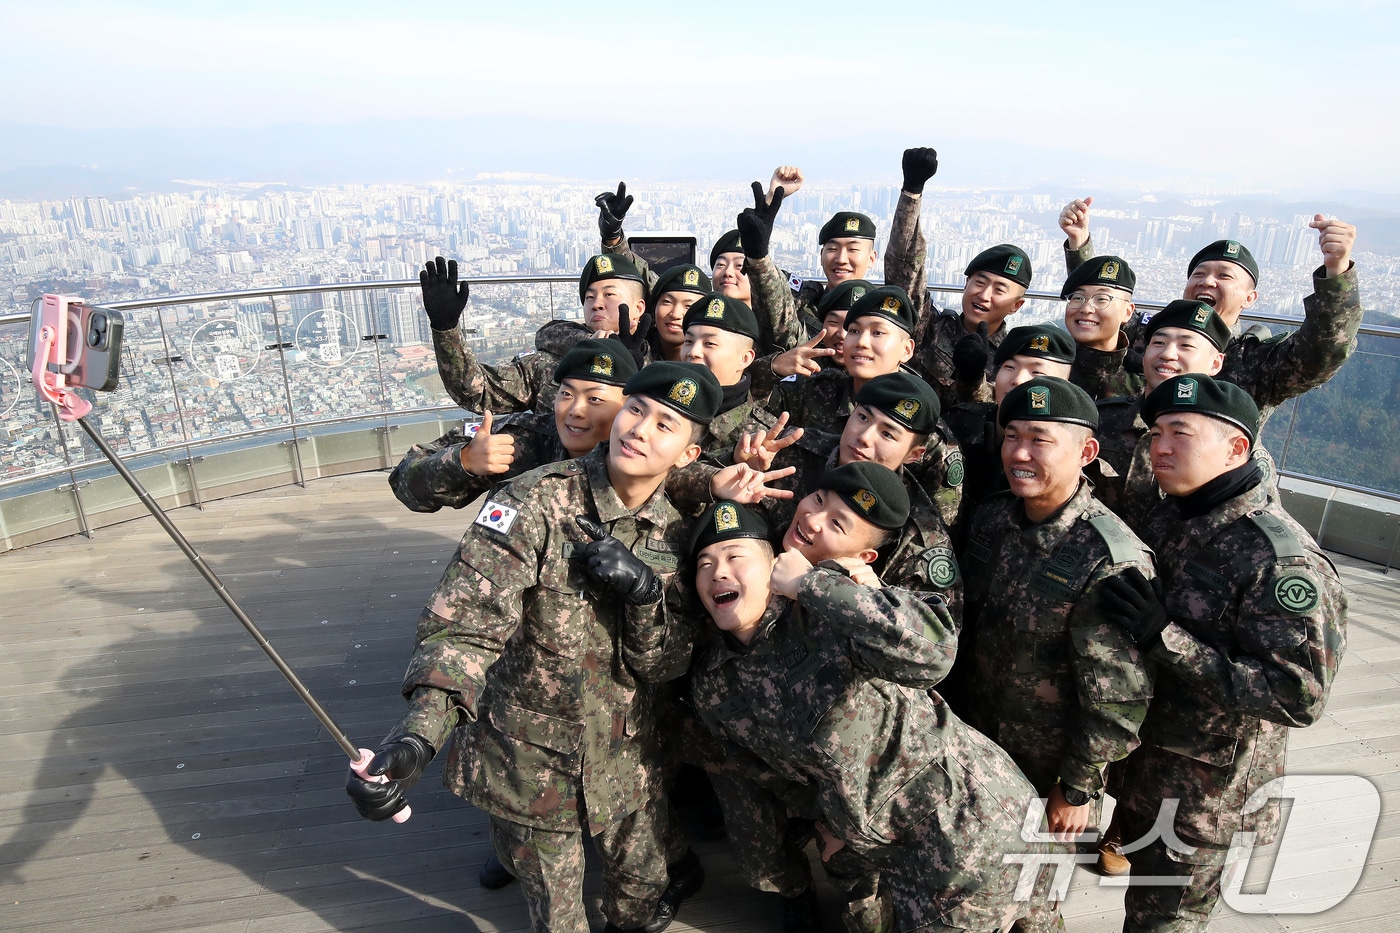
<point>47,370</point>
<point>360,764</point>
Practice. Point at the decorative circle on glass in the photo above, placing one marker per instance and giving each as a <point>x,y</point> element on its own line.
<point>11,385</point>
<point>225,350</point>
<point>326,338</point>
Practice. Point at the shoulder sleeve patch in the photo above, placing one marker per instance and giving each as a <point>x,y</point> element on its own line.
<point>1296,592</point>
<point>1121,548</point>
<point>942,566</point>
<point>497,516</point>
<point>1281,538</point>
<point>956,470</point>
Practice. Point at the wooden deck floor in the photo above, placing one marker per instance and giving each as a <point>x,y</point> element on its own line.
<point>159,775</point>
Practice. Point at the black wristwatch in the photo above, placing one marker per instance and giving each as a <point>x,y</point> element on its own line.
<point>1074,796</point>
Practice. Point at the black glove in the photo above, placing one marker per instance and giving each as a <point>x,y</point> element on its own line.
<point>756,223</point>
<point>919,165</point>
<point>1134,604</point>
<point>608,562</point>
<point>1132,362</point>
<point>611,209</point>
<point>443,296</point>
<point>401,759</point>
<point>970,355</point>
<point>634,341</point>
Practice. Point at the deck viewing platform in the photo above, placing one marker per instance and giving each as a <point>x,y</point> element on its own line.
<point>162,776</point>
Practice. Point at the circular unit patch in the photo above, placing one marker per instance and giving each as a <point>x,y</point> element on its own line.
<point>1296,593</point>
<point>942,567</point>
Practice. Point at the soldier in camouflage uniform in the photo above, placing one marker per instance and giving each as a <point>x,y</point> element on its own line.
<point>895,424</point>
<point>1246,627</point>
<point>822,350</point>
<point>1098,298</point>
<point>826,676</point>
<point>534,654</point>
<point>613,294</point>
<point>590,379</point>
<point>720,334</point>
<point>1055,684</point>
<point>879,340</point>
<point>954,350</point>
<point>1026,352</point>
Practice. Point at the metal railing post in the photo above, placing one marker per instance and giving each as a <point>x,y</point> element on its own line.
<point>282,346</point>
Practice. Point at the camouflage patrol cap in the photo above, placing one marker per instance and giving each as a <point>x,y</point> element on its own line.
<point>684,277</point>
<point>689,388</point>
<point>1007,261</point>
<point>608,266</point>
<point>1045,341</point>
<point>888,301</point>
<point>725,521</point>
<point>904,397</point>
<point>1190,315</point>
<point>1228,251</point>
<point>875,492</point>
<point>1112,271</point>
<point>847,224</point>
<point>716,310</point>
<point>597,360</point>
<point>1046,398</point>
<point>729,243</point>
<point>842,296</point>
<point>1200,393</point>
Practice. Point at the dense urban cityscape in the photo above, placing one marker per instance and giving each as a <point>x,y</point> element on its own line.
<point>206,370</point>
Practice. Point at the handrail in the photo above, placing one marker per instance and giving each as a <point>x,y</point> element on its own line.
<point>1375,330</point>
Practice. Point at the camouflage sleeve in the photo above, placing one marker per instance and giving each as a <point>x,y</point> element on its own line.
<point>689,488</point>
<point>476,607</point>
<point>1074,258</point>
<point>762,379</point>
<point>779,327</point>
<point>624,249</point>
<point>1291,634</point>
<point>659,639</point>
<point>508,387</point>
<point>559,337</point>
<point>897,635</point>
<point>907,250</point>
<point>1114,682</point>
<point>431,475</point>
<point>1276,370</point>
<point>933,571</point>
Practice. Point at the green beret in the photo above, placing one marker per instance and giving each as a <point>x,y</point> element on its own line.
<point>1046,398</point>
<point>1112,271</point>
<point>1199,393</point>
<point>876,492</point>
<point>689,388</point>
<point>729,243</point>
<point>715,310</point>
<point>1190,315</point>
<point>888,301</point>
<point>725,521</point>
<point>594,360</point>
<point>1007,261</point>
<point>1229,251</point>
<point>904,397</point>
<point>682,278</point>
<point>842,296</point>
<point>609,266</point>
<point>847,224</point>
<point>1045,341</point>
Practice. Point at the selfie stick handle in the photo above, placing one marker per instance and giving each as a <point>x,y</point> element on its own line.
<point>359,757</point>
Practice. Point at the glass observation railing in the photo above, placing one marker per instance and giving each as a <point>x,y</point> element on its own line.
<point>225,393</point>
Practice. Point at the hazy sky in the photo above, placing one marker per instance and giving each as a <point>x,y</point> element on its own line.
<point>1293,95</point>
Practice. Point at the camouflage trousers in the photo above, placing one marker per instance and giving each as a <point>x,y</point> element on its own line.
<point>770,859</point>
<point>550,867</point>
<point>1174,908</point>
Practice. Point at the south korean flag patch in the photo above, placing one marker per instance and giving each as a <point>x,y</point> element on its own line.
<point>496,516</point>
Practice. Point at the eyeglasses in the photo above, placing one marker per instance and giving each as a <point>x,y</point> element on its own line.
<point>1099,302</point>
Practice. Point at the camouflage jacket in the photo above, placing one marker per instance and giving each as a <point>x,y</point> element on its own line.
<point>560,711</point>
<point>559,337</point>
<point>1058,686</point>
<point>921,555</point>
<point>431,475</point>
<point>780,328</point>
<point>823,401</point>
<point>525,383</point>
<point>1101,372</point>
<point>833,691</point>
<point>1133,328</point>
<point>1275,370</point>
<point>1258,627</point>
<point>934,339</point>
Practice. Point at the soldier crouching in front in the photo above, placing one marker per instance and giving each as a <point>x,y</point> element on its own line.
<point>562,587</point>
<point>826,676</point>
